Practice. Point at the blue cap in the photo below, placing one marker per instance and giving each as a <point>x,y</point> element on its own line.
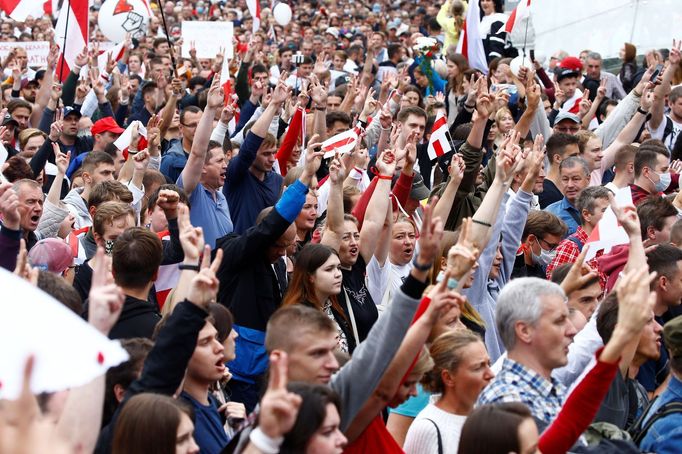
<point>70,110</point>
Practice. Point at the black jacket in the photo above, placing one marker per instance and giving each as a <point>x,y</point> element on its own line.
<point>165,365</point>
<point>248,284</point>
<point>138,319</point>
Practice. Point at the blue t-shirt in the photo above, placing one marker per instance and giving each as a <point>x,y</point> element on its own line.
<point>209,211</point>
<point>208,427</point>
<point>567,213</point>
<point>412,406</point>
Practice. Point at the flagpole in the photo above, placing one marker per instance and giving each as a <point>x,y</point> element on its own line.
<point>525,37</point>
<point>66,32</point>
<point>170,46</point>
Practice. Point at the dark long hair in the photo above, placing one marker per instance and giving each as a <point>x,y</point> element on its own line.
<point>493,429</point>
<point>148,424</point>
<point>499,7</point>
<point>311,415</point>
<point>301,289</point>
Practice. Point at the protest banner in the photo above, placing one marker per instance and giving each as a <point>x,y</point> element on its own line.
<point>208,38</point>
<point>37,51</point>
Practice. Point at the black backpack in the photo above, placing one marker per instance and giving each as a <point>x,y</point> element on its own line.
<point>639,430</point>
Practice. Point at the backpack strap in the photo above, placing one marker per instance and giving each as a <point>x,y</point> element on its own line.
<point>574,239</point>
<point>440,440</point>
<point>639,431</point>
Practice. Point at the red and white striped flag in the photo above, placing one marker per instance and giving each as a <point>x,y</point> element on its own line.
<point>521,11</point>
<point>470,41</point>
<point>439,143</point>
<point>75,37</point>
<point>19,10</point>
<point>254,10</point>
<point>608,232</point>
<point>341,143</point>
<point>572,104</point>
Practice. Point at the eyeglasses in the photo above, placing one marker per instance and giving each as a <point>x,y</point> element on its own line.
<point>549,245</point>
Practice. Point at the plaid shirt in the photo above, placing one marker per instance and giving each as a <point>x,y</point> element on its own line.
<point>516,383</point>
<point>567,251</point>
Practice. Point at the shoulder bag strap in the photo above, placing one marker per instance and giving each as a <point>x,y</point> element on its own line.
<point>351,317</point>
<point>440,440</point>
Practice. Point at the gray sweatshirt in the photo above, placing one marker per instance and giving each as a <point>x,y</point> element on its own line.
<point>483,292</point>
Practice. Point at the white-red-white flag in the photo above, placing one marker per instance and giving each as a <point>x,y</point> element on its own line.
<point>341,143</point>
<point>519,13</point>
<point>254,10</point>
<point>572,104</point>
<point>439,143</point>
<point>470,41</point>
<point>71,39</point>
<point>608,232</point>
<point>19,10</point>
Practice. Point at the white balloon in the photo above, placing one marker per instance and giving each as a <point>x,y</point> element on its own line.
<point>116,18</point>
<point>282,13</point>
<point>518,62</point>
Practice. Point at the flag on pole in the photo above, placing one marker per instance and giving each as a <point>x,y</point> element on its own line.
<point>439,143</point>
<point>519,13</point>
<point>19,10</point>
<point>608,232</point>
<point>470,42</point>
<point>254,10</point>
<point>341,143</point>
<point>73,39</point>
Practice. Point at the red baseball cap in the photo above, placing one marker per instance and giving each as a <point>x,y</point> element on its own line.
<point>106,124</point>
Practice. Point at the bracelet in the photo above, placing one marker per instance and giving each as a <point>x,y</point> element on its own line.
<point>385,177</point>
<point>265,443</point>
<point>419,267</point>
<point>358,170</point>
<point>481,222</point>
<point>642,111</point>
<point>185,266</point>
<point>452,283</point>
<point>469,107</point>
<point>132,151</point>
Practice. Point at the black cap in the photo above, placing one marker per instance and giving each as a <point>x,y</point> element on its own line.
<point>70,110</point>
<point>7,120</point>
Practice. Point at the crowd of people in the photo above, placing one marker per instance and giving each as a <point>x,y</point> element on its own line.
<point>277,292</point>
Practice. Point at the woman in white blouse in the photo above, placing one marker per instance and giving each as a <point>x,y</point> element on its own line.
<point>461,371</point>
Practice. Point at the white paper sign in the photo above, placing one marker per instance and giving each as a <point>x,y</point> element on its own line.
<point>37,51</point>
<point>208,38</point>
<point>124,139</point>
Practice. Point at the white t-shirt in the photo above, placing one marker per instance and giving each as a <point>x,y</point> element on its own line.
<point>385,281</point>
<point>422,436</point>
<point>672,137</point>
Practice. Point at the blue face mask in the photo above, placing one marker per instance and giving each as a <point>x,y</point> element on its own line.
<point>664,180</point>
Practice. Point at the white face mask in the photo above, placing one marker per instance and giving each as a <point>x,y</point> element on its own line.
<point>544,258</point>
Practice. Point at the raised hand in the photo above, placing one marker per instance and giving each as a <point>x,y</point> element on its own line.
<point>279,407</point>
<point>675,55</point>
<point>191,238</point>
<point>337,171</point>
<point>204,287</point>
<point>443,299</point>
<point>647,98</point>
<point>559,96</point>
<point>627,217</point>
<point>82,57</point>
<point>60,159</point>
<point>313,156</point>
<point>168,201</point>
<point>463,255</point>
<point>456,168</point>
<point>579,274</point>
<point>216,95</point>
<point>386,163</point>
<point>370,105</point>
<point>430,235</point>
<point>57,126</point>
<point>601,91</point>
<point>141,160</point>
<point>105,300</point>
<point>281,92</point>
<point>585,104</point>
<point>318,92</point>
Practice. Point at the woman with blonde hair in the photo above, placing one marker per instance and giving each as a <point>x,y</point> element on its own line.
<point>461,371</point>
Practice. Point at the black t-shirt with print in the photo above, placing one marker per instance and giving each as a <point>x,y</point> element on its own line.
<point>364,308</point>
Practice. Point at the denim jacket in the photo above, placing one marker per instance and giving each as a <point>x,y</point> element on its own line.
<point>665,435</point>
